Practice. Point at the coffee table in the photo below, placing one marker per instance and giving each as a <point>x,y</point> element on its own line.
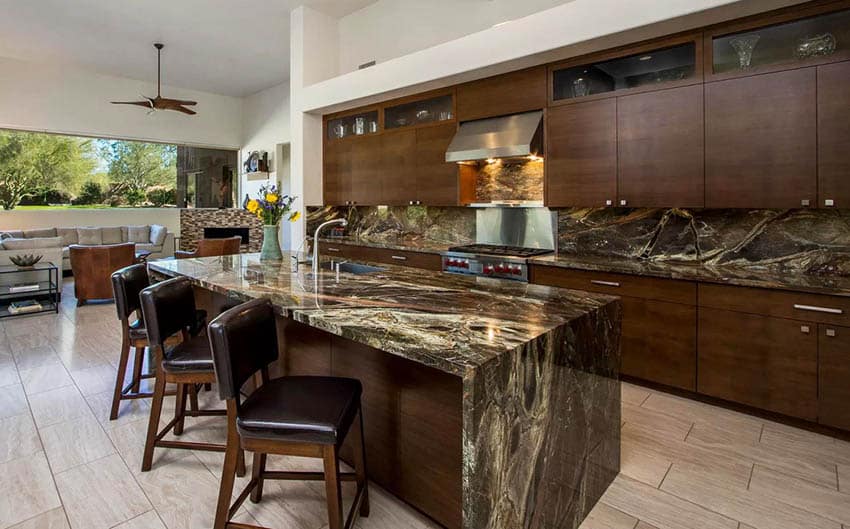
<point>142,256</point>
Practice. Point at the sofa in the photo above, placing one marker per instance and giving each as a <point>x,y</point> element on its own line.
<point>53,243</point>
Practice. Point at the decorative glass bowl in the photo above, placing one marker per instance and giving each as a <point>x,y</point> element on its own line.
<point>25,260</point>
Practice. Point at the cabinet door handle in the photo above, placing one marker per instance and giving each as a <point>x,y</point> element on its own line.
<point>399,257</point>
<point>813,308</point>
<point>332,249</point>
<point>624,202</point>
<point>604,283</point>
<point>830,333</point>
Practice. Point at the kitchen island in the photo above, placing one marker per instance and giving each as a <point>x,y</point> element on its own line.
<point>487,404</point>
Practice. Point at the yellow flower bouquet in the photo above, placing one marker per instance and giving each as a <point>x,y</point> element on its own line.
<point>271,206</point>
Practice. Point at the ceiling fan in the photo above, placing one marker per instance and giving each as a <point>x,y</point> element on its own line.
<point>159,102</point>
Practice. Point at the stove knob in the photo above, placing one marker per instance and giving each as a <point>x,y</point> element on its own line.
<point>500,268</point>
<point>464,264</point>
<point>447,262</point>
<point>488,270</point>
<point>452,262</point>
<point>517,270</point>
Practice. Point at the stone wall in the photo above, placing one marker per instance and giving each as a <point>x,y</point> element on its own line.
<point>193,222</point>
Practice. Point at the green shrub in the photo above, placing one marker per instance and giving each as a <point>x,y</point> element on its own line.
<point>45,196</point>
<point>160,196</point>
<point>91,193</point>
<point>134,196</point>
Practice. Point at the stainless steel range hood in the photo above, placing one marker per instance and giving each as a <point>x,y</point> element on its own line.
<point>504,137</point>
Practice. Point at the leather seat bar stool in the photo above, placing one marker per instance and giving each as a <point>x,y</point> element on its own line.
<point>293,415</point>
<point>168,309</point>
<point>127,283</point>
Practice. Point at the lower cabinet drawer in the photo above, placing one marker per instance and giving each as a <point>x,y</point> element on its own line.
<point>671,290</point>
<point>764,362</point>
<point>834,376</point>
<point>428,261</point>
<point>777,303</point>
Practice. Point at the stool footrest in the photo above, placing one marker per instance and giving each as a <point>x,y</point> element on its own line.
<point>306,476</point>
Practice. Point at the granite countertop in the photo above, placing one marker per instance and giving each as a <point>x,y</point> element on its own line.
<point>755,276</point>
<point>449,322</point>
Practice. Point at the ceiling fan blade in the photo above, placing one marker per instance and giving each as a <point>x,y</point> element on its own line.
<point>183,102</point>
<point>137,103</point>
<point>184,110</point>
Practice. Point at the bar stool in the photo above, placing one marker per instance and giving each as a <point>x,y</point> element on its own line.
<point>292,415</point>
<point>127,283</point>
<point>169,308</point>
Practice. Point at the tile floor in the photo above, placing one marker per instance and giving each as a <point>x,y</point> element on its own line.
<point>64,464</point>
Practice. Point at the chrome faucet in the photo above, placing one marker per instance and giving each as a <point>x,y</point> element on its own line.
<point>341,222</point>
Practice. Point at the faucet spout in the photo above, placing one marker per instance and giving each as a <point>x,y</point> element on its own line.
<point>340,222</point>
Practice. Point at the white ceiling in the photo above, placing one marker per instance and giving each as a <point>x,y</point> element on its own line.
<point>230,47</point>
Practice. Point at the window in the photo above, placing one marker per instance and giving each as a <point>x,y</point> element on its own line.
<point>51,171</point>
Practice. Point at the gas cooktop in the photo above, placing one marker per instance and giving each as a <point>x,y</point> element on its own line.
<point>502,251</point>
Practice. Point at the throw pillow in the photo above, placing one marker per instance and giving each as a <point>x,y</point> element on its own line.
<point>158,234</point>
<point>139,233</point>
<point>29,244</point>
<point>89,236</point>
<point>43,232</point>
<point>12,235</point>
<point>111,235</point>
<point>69,235</point>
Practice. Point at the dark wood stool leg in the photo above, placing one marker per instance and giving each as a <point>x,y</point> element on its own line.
<point>332,487</point>
<point>119,377</point>
<point>137,374</point>
<point>360,465</point>
<point>193,398</point>
<point>240,464</point>
<point>228,472</point>
<point>153,423</point>
<point>257,470</point>
<point>180,408</point>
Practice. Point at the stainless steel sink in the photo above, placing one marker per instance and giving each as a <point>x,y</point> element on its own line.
<point>355,268</point>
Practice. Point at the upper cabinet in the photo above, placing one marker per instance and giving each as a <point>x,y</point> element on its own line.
<point>834,135</point>
<point>760,141</point>
<point>803,36</point>
<point>353,125</point>
<point>660,146</point>
<point>510,93</point>
<point>670,62</point>
<point>419,112</point>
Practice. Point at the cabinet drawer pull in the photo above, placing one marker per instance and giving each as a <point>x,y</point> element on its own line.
<point>399,257</point>
<point>605,283</point>
<point>332,249</point>
<point>813,308</point>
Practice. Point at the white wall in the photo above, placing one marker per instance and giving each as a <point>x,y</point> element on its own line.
<point>28,219</point>
<point>265,124</point>
<point>73,101</point>
<point>392,28</point>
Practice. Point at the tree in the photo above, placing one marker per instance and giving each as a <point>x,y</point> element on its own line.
<point>35,162</point>
<point>135,166</point>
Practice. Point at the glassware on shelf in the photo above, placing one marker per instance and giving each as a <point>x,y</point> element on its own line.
<point>359,126</point>
<point>744,46</point>
<point>817,46</point>
<point>580,87</point>
<point>373,127</point>
<point>445,115</point>
<point>339,130</point>
<point>423,115</point>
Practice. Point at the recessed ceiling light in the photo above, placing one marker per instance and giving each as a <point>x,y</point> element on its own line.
<point>645,58</point>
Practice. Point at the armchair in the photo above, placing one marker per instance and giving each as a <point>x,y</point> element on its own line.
<point>92,267</point>
<point>212,247</point>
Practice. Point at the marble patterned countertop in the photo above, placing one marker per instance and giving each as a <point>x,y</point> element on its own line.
<point>755,276</point>
<point>452,323</point>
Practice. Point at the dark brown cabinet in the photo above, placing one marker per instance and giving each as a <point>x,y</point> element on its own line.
<point>760,141</point>
<point>397,167</point>
<point>336,173</point>
<point>365,175</point>
<point>660,143</point>
<point>437,181</point>
<point>581,154</point>
<point>510,93</point>
<point>659,321</point>
<point>764,362</point>
<point>834,135</point>
<point>834,376</point>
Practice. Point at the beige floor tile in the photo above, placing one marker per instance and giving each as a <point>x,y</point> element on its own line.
<point>18,437</point>
<point>92,443</point>
<point>661,423</point>
<point>45,378</point>
<point>8,374</point>
<point>603,516</point>
<point>129,410</point>
<point>791,461</point>
<point>129,438</point>
<point>643,465</point>
<point>183,492</point>
<point>633,394</point>
<point>714,492</point>
<point>644,525</point>
<point>843,472</point>
<point>58,405</point>
<point>794,440</point>
<point>698,412</point>
<point>96,379</point>
<point>823,501</point>
<point>13,401</point>
<point>100,494</point>
<point>26,489</point>
<point>53,519</point>
<point>660,508</point>
<point>34,357</point>
<point>386,512</point>
<point>148,520</point>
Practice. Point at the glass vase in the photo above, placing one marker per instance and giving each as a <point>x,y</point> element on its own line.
<point>271,244</point>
